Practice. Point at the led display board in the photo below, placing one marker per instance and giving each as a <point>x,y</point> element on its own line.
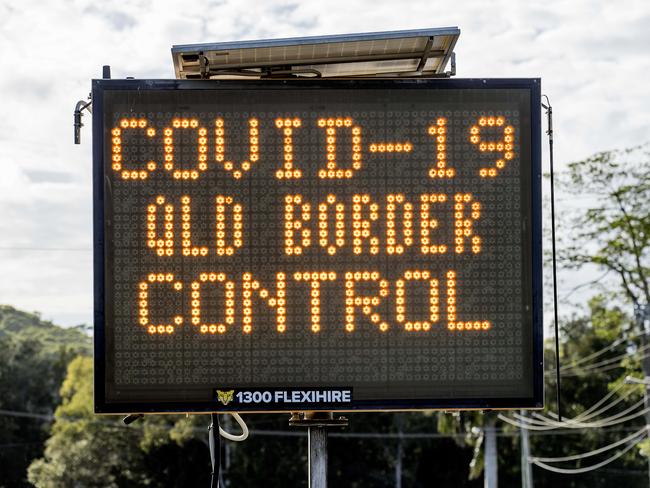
<point>317,245</point>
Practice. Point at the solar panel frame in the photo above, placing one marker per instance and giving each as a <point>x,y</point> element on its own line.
<point>346,55</point>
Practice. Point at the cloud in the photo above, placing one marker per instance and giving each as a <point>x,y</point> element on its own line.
<point>591,56</point>
<point>116,19</point>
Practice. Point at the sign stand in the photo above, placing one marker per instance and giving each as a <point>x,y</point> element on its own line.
<point>317,424</point>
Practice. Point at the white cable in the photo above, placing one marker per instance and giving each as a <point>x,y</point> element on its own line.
<point>602,400</point>
<point>600,352</point>
<point>609,421</point>
<point>575,457</point>
<point>613,420</point>
<point>519,425</point>
<point>584,416</point>
<point>601,369</point>
<point>593,355</point>
<point>589,413</point>
<point>237,438</point>
<point>541,420</point>
<point>573,374</point>
<point>604,362</point>
<point>587,468</point>
<point>571,424</point>
<point>579,362</point>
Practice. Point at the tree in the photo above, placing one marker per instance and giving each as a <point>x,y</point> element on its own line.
<point>33,358</point>
<point>610,232</point>
<point>168,450</point>
<point>78,441</point>
<point>616,225</point>
<point>603,331</point>
<point>613,231</point>
<point>86,450</point>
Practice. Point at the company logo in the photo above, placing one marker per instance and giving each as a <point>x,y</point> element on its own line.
<point>225,397</point>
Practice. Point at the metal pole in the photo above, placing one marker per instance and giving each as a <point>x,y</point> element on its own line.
<point>549,132</point>
<point>317,457</point>
<point>317,424</point>
<point>400,450</point>
<point>228,446</point>
<point>642,313</point>
<point>490,470</point>
<point>526,467</point>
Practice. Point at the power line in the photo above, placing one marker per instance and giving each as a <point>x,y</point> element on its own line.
<point>600,352</point>
<point>16,413</point>
<point>587,468</point>
<point>594,371</point>
<point>593,411</point>
<point>613,420</point>
<point>599,423</point>
<point>291,433</point>
<point>613,359</point>
<point>595,452</point>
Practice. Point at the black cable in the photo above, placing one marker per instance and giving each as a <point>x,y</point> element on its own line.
<point>214,441</point>
<point>549,132</point>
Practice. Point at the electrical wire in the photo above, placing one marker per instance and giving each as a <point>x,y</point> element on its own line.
<point>612,359</point>
<point>609,421</point>
<point>573,374</point>
<point>600,352</point>
<point>570,422</point>
<point>214,442</point>
<point>590,412</point>
<point>31,415</point>
<point>595,452</point>
<point>599,367</point>
<point>236,438</point>
<point>290,433</point>
<point>595,409</point>
<point>586,468</point>
<point>596,405</point>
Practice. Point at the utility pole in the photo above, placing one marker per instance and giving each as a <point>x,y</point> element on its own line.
<point>490,469</point>
<point>526,467</point>
<point>642,314</point>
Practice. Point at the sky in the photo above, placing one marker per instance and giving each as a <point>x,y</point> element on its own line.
<point>592,57</point>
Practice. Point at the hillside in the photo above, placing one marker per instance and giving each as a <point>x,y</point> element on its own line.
<point>34,355</point>
<point>20,326</point>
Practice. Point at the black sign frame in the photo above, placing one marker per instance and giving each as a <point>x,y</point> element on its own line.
<point>99,87</point>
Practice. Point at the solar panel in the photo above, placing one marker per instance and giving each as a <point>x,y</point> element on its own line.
<point>408,53</point>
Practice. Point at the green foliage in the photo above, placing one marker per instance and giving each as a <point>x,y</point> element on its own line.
<point>33,359</point>
<point>613,230</point>
<point>24,326</point>
<point>91,451</point>
<point>165,450</point>
<point>87,450</point>
<point>78,441</point>
<point>583,385</point>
